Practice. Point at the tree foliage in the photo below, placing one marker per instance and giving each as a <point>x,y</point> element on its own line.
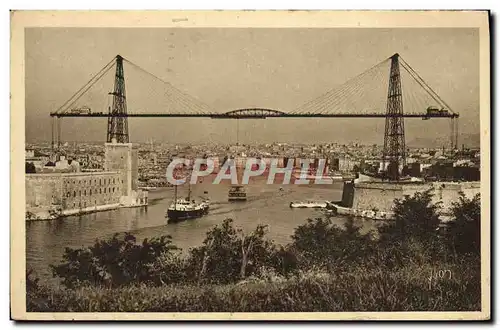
<point>414,217</point>
<point>114,262</point>
<point>321,243</point>
<point>465,231</point>
<point>30,167</point>
<point>229,255</point>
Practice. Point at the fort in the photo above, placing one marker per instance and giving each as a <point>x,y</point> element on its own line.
<point>362,197</point>
<point>51,195</point>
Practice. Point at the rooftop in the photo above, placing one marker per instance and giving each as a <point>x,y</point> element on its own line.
<point>71,174</point>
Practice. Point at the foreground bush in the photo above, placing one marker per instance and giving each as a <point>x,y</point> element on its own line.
<point>414,217</point>
<point>320,243</point>
<point>114,262</point>
<point>408,265</point>
<point>228,255</point>
<point>407,289</point>
<point>464,234</point>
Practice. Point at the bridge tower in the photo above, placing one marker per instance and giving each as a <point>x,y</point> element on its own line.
<point>394,153</point>
<point>117,123</point>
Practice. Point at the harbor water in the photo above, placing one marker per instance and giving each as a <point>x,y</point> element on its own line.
<point>266,204</point>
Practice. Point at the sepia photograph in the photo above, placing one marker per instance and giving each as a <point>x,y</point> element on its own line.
<point>259,165</point>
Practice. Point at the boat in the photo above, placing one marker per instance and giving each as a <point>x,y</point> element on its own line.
<point>237,193</point>
<point>186,208</point>
<point>183,209</point>
<point>367,214</point>
<point>308,204</point>
<point>148,188</point>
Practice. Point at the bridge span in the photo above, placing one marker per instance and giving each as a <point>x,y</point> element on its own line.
<point>257,113</point>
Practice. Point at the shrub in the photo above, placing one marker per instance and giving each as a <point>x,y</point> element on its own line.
<point>37,295</point>
<point>283,260</point>
<point>114,262</point>
<point>320,243</point>
<point>414,217</point>
<point>359,289</point>
<point>30,167</point>
<point>464,233</point>
<point>228,254</point>
<point>170,268</point>
<point>326,267</point>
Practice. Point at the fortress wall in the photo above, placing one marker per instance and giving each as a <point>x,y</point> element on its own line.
<point>470,192</point>
<point>449,192</point>
<point>43,190</point>
<point>380,195</point>
<point>445,193</point>
<point>90,189</point>
<point>72,190</point>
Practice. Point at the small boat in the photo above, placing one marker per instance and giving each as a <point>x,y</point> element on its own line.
<point>308,204</point>
<point>337,209</point>
<point>367,214</point>
<point>237,193</point>
<point>148,188</point>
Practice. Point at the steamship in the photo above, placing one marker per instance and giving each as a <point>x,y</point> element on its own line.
<point>183,209</point>
<point>237,193</point>
<point>186,208</point>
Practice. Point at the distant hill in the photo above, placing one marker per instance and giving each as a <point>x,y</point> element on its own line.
<point>470,140</point>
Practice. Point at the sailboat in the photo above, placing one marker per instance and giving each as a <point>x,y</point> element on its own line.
<point>186,208</point>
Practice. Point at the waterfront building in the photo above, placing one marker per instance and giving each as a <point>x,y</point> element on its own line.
<point>68,191</point>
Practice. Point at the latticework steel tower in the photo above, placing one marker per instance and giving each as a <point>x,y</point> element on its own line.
<point>394,154</point>
<point>117,122</point>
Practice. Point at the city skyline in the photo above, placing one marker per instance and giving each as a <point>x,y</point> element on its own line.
<point>279,69</point>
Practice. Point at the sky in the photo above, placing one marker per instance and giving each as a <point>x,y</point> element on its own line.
<point>234,68</point>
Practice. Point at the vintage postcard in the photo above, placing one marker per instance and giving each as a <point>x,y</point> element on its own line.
<point>246,165</point>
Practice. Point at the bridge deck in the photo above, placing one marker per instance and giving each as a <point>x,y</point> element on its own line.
<point>255,116</point>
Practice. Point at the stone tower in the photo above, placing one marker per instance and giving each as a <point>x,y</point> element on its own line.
<point>123,158</point>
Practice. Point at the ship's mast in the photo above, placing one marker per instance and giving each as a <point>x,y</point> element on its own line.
<point>189,186</point>
<point>175,197</point>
